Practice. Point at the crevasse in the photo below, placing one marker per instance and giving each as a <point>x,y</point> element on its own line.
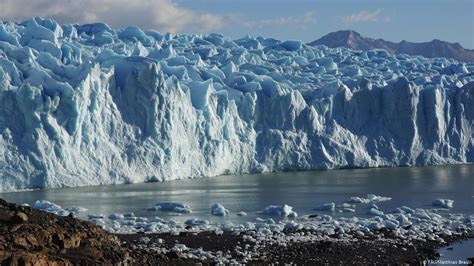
<point>88,105</point>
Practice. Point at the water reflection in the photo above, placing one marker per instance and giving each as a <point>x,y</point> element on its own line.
<point>411,186</point>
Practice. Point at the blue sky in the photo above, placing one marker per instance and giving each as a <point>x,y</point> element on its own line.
<point>411,20</point>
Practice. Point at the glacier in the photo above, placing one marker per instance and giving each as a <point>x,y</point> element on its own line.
<point>90,105</point>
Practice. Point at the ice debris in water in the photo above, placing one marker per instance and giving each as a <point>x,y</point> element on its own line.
<point>77,210</point>
<point>326,207</point>
<point>196,221</point>
<point>283,210</point>
<point>404,224</point>
<point>218,210</point>
<point>48,206</point>
<point>116,216</point>
<point>371,198</point>
<point>172,207</point>
<point>374,211</point>
<point>445,203</point>
<point>375,198</point>
<point>112,103</point>
<point>358,200</point>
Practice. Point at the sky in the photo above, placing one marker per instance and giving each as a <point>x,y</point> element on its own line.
<point>307,20</point>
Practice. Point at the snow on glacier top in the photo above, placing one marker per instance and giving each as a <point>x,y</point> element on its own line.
<point>87,105</point>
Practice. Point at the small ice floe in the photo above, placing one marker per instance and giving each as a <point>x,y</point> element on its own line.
<point>218,209</point>
<point>348,210</point>
<point>375,198</point>
<point>77,210</point>
<point>293,225</point>
<point>444,203</point>
<point>50,207</point>
<point>284,210</point>
<point>346,205</point>
<point>404,209</point>
<point>93,216</point>
<point>326,207</point>
<point>172,207</point>
<point>358,200</point>
<point>375,212</point>
<point>391,224</point>
<point>196,221</point>
<point>116,216</point>
<point>370,198</point>
<point>373,205</point>
<point>241,213</point>
<point>129,215</point>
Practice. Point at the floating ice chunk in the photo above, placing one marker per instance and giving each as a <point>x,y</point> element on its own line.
<point>241,213</point>
<point>407,209</point>
<point>95,216</point>
<point>116,216</point>
<point>284,210</point>
<point>359,200</point>
<point>445,203</point>
<point>77,209</point>
<point>375,198</point>
<point>348,210</point>
<point>249,225</point>
<point>375,226</point>
<point>422,214</point>
<point>326,207</point>
<point>173,207</point>
<point>374,211</point>
<point>391,224</point>
<point>326,218</point>
<point>373,205</point>
<point>218,210</point>
<point>196,221</point>
<point>48,206</point>
<point>346,205</point>
<point>129,215</point>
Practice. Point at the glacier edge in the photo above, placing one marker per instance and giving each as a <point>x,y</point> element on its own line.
<point>87,105</point>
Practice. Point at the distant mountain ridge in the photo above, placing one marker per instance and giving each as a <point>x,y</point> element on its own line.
<point>434,48</point>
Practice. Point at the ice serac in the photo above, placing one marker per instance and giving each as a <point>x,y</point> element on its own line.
<point>88,105</point>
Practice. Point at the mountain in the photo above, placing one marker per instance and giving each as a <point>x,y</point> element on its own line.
<point>89,105</point>
<point>432,49</point>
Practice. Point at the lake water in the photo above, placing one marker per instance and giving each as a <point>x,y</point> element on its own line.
<point>415,187</point>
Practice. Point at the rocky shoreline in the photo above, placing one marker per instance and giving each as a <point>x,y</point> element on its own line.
<point>29,236</point>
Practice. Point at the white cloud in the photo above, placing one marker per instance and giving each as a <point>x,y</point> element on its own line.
<point>299,22</point>
<point>161,15</point>
<point>367,16</point>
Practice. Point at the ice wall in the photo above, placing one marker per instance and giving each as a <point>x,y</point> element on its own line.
<point>88,105</point>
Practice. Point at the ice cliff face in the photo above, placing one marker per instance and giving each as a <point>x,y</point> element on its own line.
<point>88,105</point>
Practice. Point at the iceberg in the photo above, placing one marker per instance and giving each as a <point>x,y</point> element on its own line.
<point>172,207</point>
<point>444,203</point>
<point>283,210</point>
<point>90,105</point>
<point>218,209</point>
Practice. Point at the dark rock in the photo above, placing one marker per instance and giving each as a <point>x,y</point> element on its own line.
<point>19,218</point>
